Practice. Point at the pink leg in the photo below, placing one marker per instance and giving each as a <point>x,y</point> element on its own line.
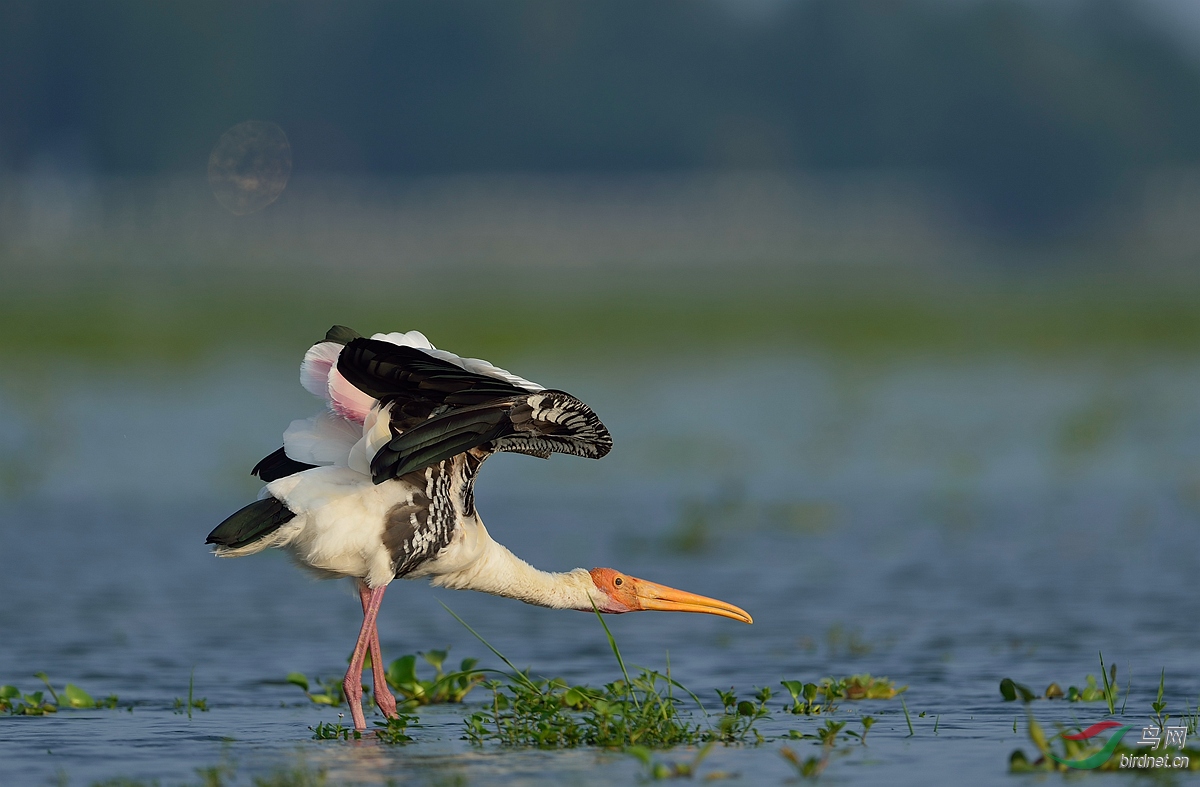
<point>352,685</point>
<point>383,695</point>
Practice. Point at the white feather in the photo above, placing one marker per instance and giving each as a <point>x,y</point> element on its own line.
<point>324,439</point>
<point>474,561</point>
<point>346,400</point>
<point>376,432</point>
<point>314,369</point>
<point>480,366</point>
<point>340,514</point>
<point>410,339</point>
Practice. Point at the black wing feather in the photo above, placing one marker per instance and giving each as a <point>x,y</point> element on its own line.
<point>389,372</point>
<point>340,334</point>
<point>428,443</point>
<point>535,423</point>
<point>255,521</point>
<point>278,464</point>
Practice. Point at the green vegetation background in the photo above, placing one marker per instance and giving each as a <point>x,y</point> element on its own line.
<point>608,315</point>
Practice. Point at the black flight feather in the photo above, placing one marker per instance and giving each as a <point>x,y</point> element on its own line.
<point>389,372</point>
<point>278,464</point>
<point>440,438</point>
<point>257,520</point>
<point>340,334</point>
<point>534,423</point>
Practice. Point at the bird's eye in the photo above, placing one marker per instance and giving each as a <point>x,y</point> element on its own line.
<point>618,581</point>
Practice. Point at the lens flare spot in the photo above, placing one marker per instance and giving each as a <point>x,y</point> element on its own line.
<point>250,166</point>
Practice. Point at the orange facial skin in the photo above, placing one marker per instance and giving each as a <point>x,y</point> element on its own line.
<point>630,594</point>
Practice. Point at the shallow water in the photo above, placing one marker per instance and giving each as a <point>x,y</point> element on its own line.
<point>946,523</point>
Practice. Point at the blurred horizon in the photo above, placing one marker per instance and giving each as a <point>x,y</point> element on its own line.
<point>985,175</point>
<point>1023,122</point>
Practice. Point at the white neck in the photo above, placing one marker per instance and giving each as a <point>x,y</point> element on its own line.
<point>501,573</point>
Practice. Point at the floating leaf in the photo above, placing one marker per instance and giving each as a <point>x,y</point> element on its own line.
<point>402,672</point>
<point>436,658</point>
<point>1010,690</point>
<point>77,697</point>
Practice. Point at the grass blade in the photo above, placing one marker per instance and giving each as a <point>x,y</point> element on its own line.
<point>612,641</point>
<point>1108,688</point>
<point>520,675</point>
<point>907,718</point>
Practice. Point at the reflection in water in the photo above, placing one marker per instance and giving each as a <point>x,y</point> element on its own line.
<point>250,166</point>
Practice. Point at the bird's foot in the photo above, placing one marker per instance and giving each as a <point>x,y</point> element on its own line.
<point>386,701</point>
<point>353,690</point>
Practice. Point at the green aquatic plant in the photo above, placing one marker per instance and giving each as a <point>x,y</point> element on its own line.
<point>1011,691</point>
<point>324,731</point>
<point>1110,685</point>
<point>855,687</point>
<point>1052,759</point>
<point>641,709</point>
<point>526,713</point>
<point>739,718</point>
<point>331,691</point>
<point>868,722</point>
<point>444,687</point>
<point>1192,717</point>
<point>804,697</point>
<point>1158,706</point>
<point>907,718</point>
<point>402,676</point>
<point>860,687</point>
<point>1091,692</point>
<point>14,702</point>
<point>554,714</point>
<point>187,706</point>
<point>809,767</point>
<point>827,735</point>
<point>638,711</point>
<point>1056,751</point>
<point>192,703</point>
<point>394,729</point>
<point>657,770</point>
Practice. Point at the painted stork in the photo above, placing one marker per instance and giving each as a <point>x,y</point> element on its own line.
<point>378,485</point>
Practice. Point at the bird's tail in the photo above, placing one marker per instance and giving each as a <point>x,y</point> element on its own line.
<point>252,529</point>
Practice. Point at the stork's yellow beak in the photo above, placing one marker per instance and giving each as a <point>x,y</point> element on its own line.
<point>651,595</point>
